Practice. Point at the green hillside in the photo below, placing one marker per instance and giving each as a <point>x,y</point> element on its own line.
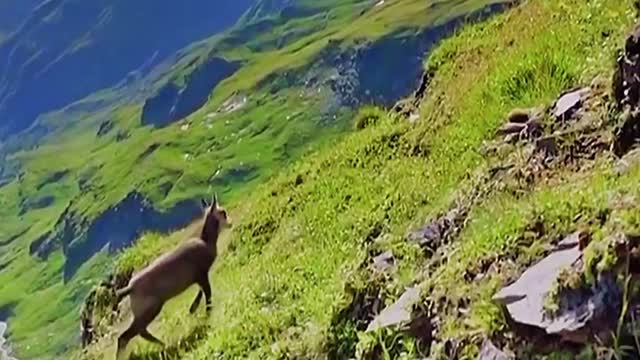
<point>295,281</point>
<point>83,182</point>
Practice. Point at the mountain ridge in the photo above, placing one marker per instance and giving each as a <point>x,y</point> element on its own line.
<point>36,61</point>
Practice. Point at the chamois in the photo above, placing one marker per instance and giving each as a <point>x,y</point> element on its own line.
<point>171,274</point>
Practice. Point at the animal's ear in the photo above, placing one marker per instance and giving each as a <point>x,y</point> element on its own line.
<point>203,203</point>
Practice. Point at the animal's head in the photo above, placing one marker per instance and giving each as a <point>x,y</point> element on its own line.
<point>214,213</point>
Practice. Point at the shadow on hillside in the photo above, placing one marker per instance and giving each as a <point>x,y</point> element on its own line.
<point>175,350</point>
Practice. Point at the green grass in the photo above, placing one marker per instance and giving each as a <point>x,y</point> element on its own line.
<point>302,238</point>
<point>272,131</point>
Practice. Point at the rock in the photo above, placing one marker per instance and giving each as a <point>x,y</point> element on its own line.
<point>5,350</point>
<point>433,234</point>
<point>626,82</point>
<point>399,313</point>
<point>491,352</point>
<point>628,134</point>
<point>547,146</point>
<point>525,298</point>
<point>581,313</point>
<point>632,45</point>
<point>511,128</point>
<point>383,262</point>
<point>568,103</point>
<point>629,160</point>
<point>525,123</point>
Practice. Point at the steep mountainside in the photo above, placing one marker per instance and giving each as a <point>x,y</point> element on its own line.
<point>67,49</point>
<point>223,114</point>
<point>514,163</point>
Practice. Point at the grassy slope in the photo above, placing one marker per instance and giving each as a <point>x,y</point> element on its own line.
<point>272,130</point>
<point>282,279</point>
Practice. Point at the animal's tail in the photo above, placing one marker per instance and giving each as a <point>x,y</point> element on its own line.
<point>121,294</point>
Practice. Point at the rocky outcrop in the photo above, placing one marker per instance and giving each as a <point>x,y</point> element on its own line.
<point>626,90</point>
<point>95,44</point>
<point>173,103</point>
<point>5,348</point>
<point>540,298</point>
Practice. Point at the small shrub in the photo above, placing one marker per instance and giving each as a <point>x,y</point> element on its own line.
<point>368,116</point>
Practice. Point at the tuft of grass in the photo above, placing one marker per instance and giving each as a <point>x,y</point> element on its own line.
<point>368,116</point>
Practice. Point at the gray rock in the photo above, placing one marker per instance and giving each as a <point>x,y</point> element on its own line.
<point>383,262</point>
<point>569,102</point>
<point>525,298</point>
<point>582,313</point>
<point>399,313</point>
<point>491,352</point>
<point>436,232</point>
<point>511,128</point>
<point>628,161</point>
<point>5,350</point>
<point>547,146</point>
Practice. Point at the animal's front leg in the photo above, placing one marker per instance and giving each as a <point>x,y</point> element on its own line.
<point>206,289</point>
<point>196,302</point>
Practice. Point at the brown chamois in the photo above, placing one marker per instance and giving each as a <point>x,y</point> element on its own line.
<point>171,274</point>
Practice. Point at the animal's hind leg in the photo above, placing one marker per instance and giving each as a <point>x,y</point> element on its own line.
<point>126,336</point>
<point>145,334</point>
<point>143,313</point>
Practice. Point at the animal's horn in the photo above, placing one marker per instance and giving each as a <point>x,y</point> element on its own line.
<point>214,200</point>
<point>203,203</point>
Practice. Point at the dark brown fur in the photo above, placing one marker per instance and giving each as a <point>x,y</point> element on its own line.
<point>172,274</point>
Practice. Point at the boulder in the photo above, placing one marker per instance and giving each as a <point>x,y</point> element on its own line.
<point>399,313</point>
<point>383,262</point>
<point>627,134</point>
<point>582,312</point>
<point>569,103</point>
<point>524,299</point>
